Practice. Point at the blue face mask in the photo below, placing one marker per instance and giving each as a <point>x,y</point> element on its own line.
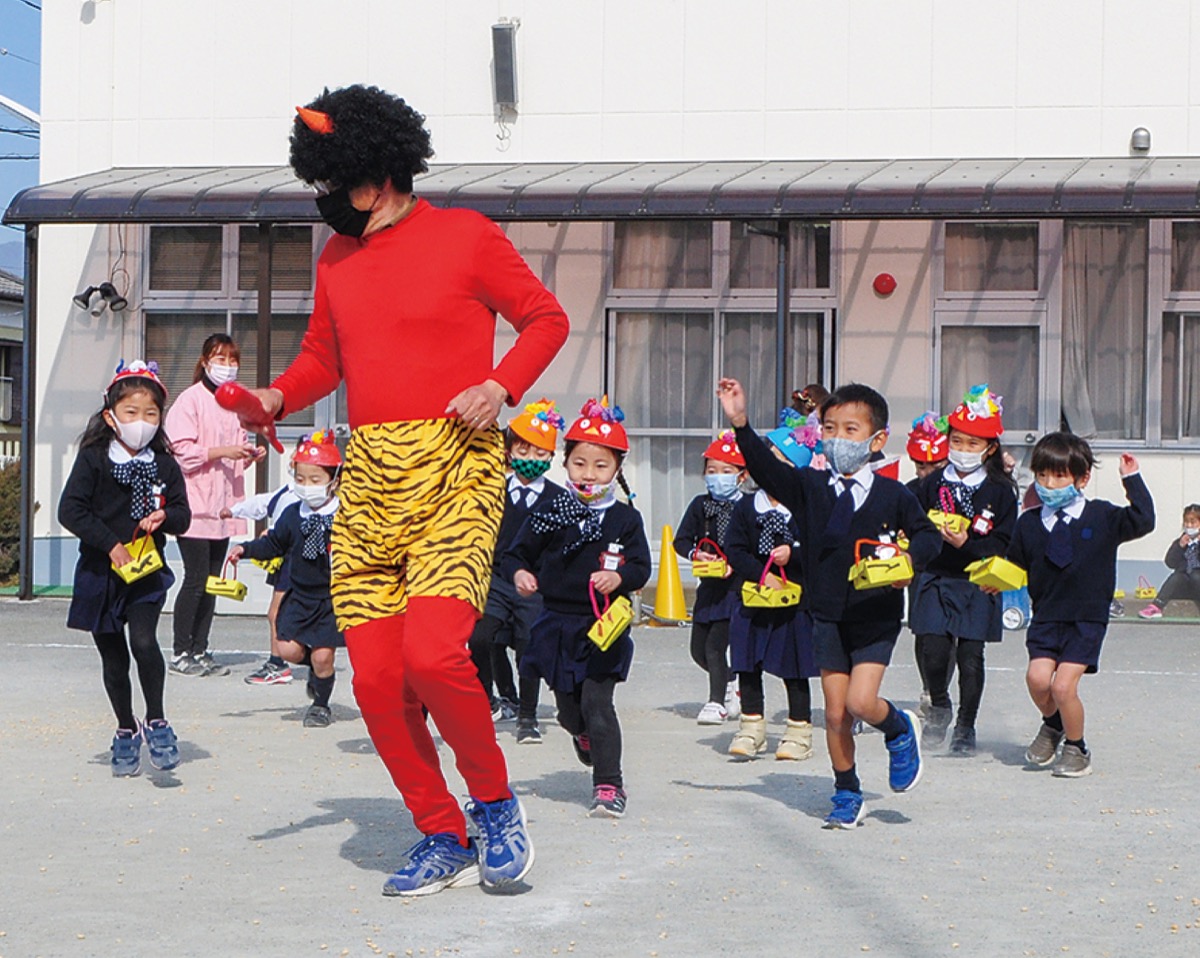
<point>847,456</point>
<point>723,486</point>
<point>1057,498</point>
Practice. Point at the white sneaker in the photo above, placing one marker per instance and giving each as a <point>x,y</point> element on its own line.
<point>733,700</point>
<point>713,713</point>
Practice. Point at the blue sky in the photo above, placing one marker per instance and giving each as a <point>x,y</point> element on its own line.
<point>20,80</point>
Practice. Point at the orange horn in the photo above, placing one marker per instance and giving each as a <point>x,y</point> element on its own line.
<point>315,120</point>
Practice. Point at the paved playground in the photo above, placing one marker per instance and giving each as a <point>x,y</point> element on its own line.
<point>272,839</point>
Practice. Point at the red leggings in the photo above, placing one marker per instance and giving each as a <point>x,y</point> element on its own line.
<point>420,658</point>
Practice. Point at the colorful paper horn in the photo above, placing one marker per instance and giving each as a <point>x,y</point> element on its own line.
<point>315,120</point>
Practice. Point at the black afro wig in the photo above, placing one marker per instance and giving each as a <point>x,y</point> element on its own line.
<point>376,136</point>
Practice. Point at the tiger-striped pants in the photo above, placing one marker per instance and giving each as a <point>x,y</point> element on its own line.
<point>413,538</point>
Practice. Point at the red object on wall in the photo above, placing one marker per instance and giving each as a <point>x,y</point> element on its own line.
<point>885,284</point>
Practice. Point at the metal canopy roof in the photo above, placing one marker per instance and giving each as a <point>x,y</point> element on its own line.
<point>865,189</point>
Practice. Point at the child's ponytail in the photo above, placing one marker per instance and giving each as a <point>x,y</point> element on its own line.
<point>624,484</point>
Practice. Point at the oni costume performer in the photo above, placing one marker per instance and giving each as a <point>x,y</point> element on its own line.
<point>406,317</point>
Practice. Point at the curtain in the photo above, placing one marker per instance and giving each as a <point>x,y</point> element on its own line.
<point>663,373</point>
<point>1004,357</point>
<point>291,258</point>
<point>1104,329</point>
<point>1185,256</point>
<point>662,255</point>
<point>748,355</point>
<point>991,257</point>
<point>185,257</point>
<point>753,256</point>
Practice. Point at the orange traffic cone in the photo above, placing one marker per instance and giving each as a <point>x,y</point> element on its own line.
<point>669,605</point>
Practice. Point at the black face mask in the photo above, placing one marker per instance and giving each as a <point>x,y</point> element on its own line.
<point>341,215</point>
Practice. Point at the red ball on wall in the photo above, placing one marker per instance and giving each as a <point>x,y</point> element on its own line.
<point>885,284</point>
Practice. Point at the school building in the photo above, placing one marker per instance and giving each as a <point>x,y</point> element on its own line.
<point>921,196</point>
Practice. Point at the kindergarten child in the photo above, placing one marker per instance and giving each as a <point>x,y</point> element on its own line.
<point>1069,549</point>
<point>764,536</point>
<point>529,444</point>
<point>951,618</point>
<point>126,485</point>
<point>308,633</point>
<point>1183,559</point>
<point>854,630</point>
<point>586,546</point>
<point>701,538</point>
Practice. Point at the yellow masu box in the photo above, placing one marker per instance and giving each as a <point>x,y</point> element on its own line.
<point>714,568</point>
<point>875,573</point>
<point>759,595</point>
<point>1145,589</point>
<point>950,521</point>
<point>611,623</point>
<point>996,572</point>
<point>145,559</point>
<point>270,565</point>
<point>226,588</point>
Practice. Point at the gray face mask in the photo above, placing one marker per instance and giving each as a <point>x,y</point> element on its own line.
<point>847,456</point>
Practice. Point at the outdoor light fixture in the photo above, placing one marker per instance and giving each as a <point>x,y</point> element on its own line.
<point>108,297</point>
<point>1139,141</point>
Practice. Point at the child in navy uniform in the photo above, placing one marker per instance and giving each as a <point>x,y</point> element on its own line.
<point>529,444</point>
<point>778,641</point>
<point>1183,559</point>
<point>853,631</point>
<point>1069,548</point>
<point>583,541</point>
<point>704,523</point>
<point>126,484</point>
<point>308,632</point>
<point>951,618</point>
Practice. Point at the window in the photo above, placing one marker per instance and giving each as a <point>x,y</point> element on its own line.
<point>1181,376</point>
<point>1185,256</point>
<point>748,354</point>
<point>185,257</point>
<point>1104,329</point>
<point>287,330</point>
<point>10,384</point>
<point>291,258</point>
<point>753,256</point>
<point>662,255</point>
<point>173,340</point>
<point>991,257</point>
<point>1006,357</point>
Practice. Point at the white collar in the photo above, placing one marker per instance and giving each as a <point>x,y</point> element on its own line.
<point>763,504</point>
<point>1073,511</point>
<point>326,510</point>
<point>863,478</point>
<point>119,454</point>
<point>537,487</point>
<point>974,478</point>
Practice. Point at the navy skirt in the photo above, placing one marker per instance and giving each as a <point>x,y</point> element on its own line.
<point>778,641</point>
<point>309,620</point>
<point>99,597</point>
<point>946,606</point>
<point>561,653</point>
<point>721,610</point>
<point>281,579</point>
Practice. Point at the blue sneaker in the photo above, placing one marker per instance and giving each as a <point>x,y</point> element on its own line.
<point>904,765</point>
<point>127,753</point>
<point>435,862</point>
<point>507,852</point>
<point>162,743</point>
<point>847,809</point>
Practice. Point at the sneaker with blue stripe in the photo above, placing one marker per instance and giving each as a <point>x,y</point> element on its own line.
<point>506,853</point>
<point>435,862</point>
<point>847,809</point>
<point>127,753</point>
<point>162,744</point>
<point>904,759</point>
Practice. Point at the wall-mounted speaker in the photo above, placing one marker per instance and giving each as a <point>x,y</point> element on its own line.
<point>504,64</point>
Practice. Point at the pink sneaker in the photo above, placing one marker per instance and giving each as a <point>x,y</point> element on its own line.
<point>1150,612</point>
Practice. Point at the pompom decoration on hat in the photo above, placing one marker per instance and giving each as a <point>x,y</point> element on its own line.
<point>725,449</point>
<point>319,449</point>
<point>539,424</point>
<point>794,437</point>
<point>137,370</point>
<point>600,423</point>
<point>979,414</point>
<point>927,442</point>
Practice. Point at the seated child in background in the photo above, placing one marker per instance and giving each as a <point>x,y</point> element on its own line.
<point>1183,559</point>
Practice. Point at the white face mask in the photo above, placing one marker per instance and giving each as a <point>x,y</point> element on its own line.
<point>966,462</point>
<point>315,496</point>
<point>220,375</point>
<point>1192,531</point>
<point>135,435</point>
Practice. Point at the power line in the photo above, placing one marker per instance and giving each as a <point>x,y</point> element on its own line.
<point>5,52</point>
<point>30,3</point>
<point>32,134</point>
<point>19,156</point>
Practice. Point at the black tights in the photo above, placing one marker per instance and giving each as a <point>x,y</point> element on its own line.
<point>590,711</point>
<point>142,626</point>
<point>940,652</point>
<point>710,643</point>
<point>799,696</point>
<point>193,606</point>
<point>491,662</point>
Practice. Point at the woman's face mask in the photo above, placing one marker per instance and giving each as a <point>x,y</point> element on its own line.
<point>341,214</point>
<point>220,375</point>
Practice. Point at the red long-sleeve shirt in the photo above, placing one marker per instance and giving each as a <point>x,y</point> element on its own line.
<point>407,317</point>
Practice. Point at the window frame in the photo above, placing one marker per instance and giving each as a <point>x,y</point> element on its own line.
<point>1163,301</point>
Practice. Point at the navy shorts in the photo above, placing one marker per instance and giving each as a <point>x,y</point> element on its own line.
<point>839,646</point>
<point>1075,642</point>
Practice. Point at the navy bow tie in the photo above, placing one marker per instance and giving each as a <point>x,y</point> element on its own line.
<point>315,528</point>
<point>563,512</point>
<point>141,476</point>
<point>719,510</point>
<point>772,531</point>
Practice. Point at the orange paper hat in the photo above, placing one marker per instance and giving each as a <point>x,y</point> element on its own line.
<point>600,423</point>
<point>979,414</point>
<point>539,424</point>
<point>926,442</point>
<point>137,370</point>
<point>315,120</point>
<point>725,449</point>
<point>319,449</point>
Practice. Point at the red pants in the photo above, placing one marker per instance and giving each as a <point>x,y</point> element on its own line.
<point>420,658</point>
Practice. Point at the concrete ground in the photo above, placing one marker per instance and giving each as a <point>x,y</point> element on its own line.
<point>272,839</point>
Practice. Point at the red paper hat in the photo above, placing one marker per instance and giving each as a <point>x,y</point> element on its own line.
<point>539,424</point>
<point>600,424</point>
<point>725,449</point>
<point>979,414</point>
<point>319,449</point>
<point>137,370</point>
<point>926,442</point>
